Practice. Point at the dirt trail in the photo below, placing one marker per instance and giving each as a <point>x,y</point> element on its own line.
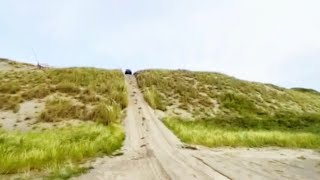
<point>151,151</point>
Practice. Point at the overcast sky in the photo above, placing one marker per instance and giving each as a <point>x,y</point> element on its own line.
<point>274,41</point>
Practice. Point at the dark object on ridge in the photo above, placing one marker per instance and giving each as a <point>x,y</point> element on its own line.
<point>128,72</point>
<point>39,66</point>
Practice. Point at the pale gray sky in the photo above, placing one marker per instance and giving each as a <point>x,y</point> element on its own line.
<point>274,41</point>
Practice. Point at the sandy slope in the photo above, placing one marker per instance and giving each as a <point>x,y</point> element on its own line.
<point>151,151</point>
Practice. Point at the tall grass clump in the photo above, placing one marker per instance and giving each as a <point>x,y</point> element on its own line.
<point>105,114</point>
<point>88,96</point>
<point>154,99</point>
<point>9,87</point>
<point>54,148</point>
<point>59,109</point>
<point>67,87</point>
<point>10,102</point>
<point>37,92</point>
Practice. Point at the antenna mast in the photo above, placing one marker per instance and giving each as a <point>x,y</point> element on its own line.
<point>35,56</point>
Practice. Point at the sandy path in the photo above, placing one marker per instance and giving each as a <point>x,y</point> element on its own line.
<point>151,151</point>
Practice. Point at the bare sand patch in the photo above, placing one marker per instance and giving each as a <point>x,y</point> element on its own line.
<point>26,118</point>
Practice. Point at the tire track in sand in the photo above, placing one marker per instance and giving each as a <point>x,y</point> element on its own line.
<point>151,151</point>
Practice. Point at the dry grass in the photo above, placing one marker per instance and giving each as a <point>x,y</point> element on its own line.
<point>105,114</point>
<point>59,109</point>
<point>10,102</point>
<point>155,100</point>
<point>10,88</point>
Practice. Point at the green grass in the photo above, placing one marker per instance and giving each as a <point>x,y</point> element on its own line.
<point>220,103</point>
<point>53,150</point>
<point>208,134</point>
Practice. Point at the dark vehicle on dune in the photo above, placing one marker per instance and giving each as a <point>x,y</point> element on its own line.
<point>128,72</point>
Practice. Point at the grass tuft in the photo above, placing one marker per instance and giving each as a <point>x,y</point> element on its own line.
<point>10,88</point>
<point>154,99</point>
<point>10,102</point>
<point>67,171</point>
<point>67,87</point>
<point>105,114</point>
<point>59,109</point>
<point>37,92</point>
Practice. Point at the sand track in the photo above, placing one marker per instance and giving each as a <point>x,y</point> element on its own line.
<point>151,151</point>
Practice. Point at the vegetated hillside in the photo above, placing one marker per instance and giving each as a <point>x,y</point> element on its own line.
<point>9,65</point>
<point>88,88</point>
<point>64,116</point>
<point>217,100</point>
